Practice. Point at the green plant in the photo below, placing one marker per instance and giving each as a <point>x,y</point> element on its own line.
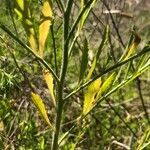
<point>96,87</point>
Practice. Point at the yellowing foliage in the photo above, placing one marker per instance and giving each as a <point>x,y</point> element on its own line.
<point>133,46</point>
<point>106,85</point>
<point>45,23</point>
<point>89,96</point>
<point>49,80</point>
<point>94,92</point>
<point>41,107</point>
<point>23,11</point>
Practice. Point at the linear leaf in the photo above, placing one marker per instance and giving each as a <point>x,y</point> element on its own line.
<point>45,23</point>
<point>18,13</point>
<point>89,96</point>
<point>49,80</point>
<point>101,46</point>
<point>84,61</point>
<point>23,11</point>
<point>85,15</point>
<point>144,142</point>
<point>133,46</point>
<point>20,4</point>
<point>41,107</point>
<point>106,85</point>
<point>82,21</point>
<point>28,25</point>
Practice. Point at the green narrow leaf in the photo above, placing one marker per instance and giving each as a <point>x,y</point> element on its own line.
<point>138,73</point>
<point>127,70</point>
<point>89,96</point>
<point>101,46</point>
<point>41,108</point>
<point>144,142</point>
<point>144,67</point>
<point>85,15</point>
<point>106,85</point>
<point>84,61</point>
<point>82,21</point>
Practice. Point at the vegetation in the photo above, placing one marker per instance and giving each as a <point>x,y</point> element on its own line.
<point>74,75</point>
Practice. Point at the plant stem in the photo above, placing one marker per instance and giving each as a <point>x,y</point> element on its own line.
<point>58,117</point>
<point>78,20</point>
<point>120,117</point>
<point>119,64</point>
<point>62,74</point>
<point>38,58</point>
<point>113,22</point>
<point>60,5</point>
<point>142,99</point>
<point>54,48</point>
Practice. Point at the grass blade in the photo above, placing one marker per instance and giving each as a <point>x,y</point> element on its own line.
<point>144,142</point>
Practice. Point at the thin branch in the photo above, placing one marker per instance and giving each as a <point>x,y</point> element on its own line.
<point>119,64</point>
<point>114,24</point>
<point>77,20</point>
<point>138,81</point>
<point>60,5</point>
<point>17,65</point>
<point>42,61</point>
<point>63,72</point>
<point>54,48</point>
<point>11,16</point>
<point>121,118</point>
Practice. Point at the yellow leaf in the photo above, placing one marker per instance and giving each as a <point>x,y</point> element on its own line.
<point>49,80</point>
<point>28,25</point>
<point>89,96</point>
<point>18,13</point>
<point>45,23</point>
<point>106,85</point>
<point>41,107</point>
<point>1,125</point>
<point>20,4</point>
<point>23,11</point>
<point>133,46</point>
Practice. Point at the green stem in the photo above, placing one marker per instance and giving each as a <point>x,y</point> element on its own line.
<point>60,5</point>
<point>38,58</point>
<point>142,99</point>
<point>119,64</point>
<point>58,117</point>
<point>54,48</point>
<point>17,65</point>
<point>62,75</point>
<point>121,85</point>
<point>121,118</point>
<point>78,20</point>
